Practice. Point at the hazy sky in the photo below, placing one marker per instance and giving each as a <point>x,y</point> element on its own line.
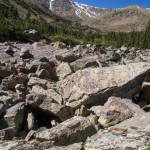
<point>115,3</point>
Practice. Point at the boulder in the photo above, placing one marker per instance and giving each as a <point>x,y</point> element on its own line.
<point>95,85</point>
<point>50,93</point>
<point>43,74</point>
<point>125,49</point>
<point>9,50</point>
<point>114,57</point>
<point>13,118</point>
<point>60,45</point>
<point>7,133</point>
<point>67,57</point>
<point>46,67</point>
<point>37,44</point>
<point>145,92</point>
<point>30,135</point>
<point>39,101</point>
<point>63,70</point>
<point>21,91</point>
<point>25,53</point>
<point>17,79</point>
<point>5,101</point>
<point>83,111</point>
<point>37,81</point>
<point>90,61</point>
<point>5,72</point>
<point>74,130</point>
<point>30,121</point>
<point>106,140</point>
<point>32,35</point>
<point>138,122</point>
<point>132,133</point>
<point>116,110</point>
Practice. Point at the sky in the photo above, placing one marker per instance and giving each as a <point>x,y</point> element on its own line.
<point>115,3</point>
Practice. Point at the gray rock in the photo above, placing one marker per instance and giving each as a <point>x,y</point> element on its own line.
<point>60,45</point>
<point>49,93</point>
<point>46,67</point>
<point>37,81</point>
<point>7,134</point>
<point>74,130</point>
<point>13,118</point>
<point>132,133</point>
<point>5,72</point>
<point>25,53</point>
<point>30,135</point>
<point>30,121</point>
<point>39,101</point>
<point>63,70</point>
<point>5,101</point>
<point>43,74</point>
<point>21,91</point>
<point>17,79</point>
<point>145,92</point>
<point>90,61</point>
<point>9,50</point>
<point>32,35</point>
<point>108,140</point>
<point>67,57</point>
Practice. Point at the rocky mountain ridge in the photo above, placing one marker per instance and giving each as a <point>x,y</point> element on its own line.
<point>123,19</point>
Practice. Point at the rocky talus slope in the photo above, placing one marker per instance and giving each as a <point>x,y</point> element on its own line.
<point>57,97</point>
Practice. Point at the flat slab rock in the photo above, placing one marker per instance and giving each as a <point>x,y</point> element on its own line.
<point>133,133</point>
<point>111,141</point>
<point>74,130</point>
<point>95,85</point>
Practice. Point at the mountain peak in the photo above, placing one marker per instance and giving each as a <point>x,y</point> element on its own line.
<point>129,18</point>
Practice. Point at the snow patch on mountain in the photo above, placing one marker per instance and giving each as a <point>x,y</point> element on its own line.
<point>83,9</point>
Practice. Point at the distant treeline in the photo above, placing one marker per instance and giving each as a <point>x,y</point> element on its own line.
<point>12,27</point>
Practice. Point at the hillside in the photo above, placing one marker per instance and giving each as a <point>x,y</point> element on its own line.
<point>20,15</point>
<point>121,19</point>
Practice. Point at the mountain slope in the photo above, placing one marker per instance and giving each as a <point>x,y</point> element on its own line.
<point>20,15</point>
<point>124,19</point>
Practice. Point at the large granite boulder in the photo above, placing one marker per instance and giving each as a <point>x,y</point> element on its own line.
<point>95,85</point>
<point>74,130</point>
